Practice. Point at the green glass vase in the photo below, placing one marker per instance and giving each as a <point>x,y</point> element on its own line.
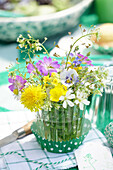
<point>61,124</point>
<point>61,130</point>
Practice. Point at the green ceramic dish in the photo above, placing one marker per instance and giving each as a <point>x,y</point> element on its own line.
<point>41,26</point>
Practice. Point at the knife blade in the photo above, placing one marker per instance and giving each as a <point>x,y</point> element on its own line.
<point>17,134</point>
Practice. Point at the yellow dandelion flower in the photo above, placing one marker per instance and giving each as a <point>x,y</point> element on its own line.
<point>33,97</point>
<point>57,92</point>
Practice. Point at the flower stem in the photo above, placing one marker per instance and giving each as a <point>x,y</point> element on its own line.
<point>45,50</point>
<point>74,44</point>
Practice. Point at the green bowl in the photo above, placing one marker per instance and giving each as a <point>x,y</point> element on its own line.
<point>43,26</point>
<point>104,50</point>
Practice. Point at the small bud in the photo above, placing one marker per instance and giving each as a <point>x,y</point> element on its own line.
<point>17,47</point>
<point>17,62</point>
<point>27,62</point>
<point>88,54</point>
<point>45,38</point>
<point>84,30</point>
<point>83,43</point>
<point>71,46</point>
<point>56,55</point>
<point>69,33</point>
<point>76,48</point>
<point>57,46</point>
<point>29,35</point>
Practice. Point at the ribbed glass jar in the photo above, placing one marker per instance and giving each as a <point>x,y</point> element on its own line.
<point>60,124</point>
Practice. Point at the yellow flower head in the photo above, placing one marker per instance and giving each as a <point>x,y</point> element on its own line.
<point>53,74</point>
<point>57,92</point>
<point>33,97</point>
<point>15,91</point>
<point>55,81</point>
<point>78,68</point>
<point>46,79</point>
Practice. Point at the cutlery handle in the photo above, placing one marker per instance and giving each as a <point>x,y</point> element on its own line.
<point>25,130</point>
<point>27,127</point>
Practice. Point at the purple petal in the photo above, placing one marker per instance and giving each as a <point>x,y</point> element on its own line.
<point>52,70</point>
<point>55,64</point>
<point>30,68</point>
<point>71,55</point>
<point>22,87</point>
<point>43,71</point>
<point>11,87</point>
<point>80,55</point>
<point>19,78</point>
<point>11,80</point>
<point>39,63</point>
<point>24,81</point>
<point>47,61</point>
<point>85,58</point>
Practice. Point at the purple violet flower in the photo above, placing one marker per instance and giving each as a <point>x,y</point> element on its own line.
<point>71,55</point>
<point>68,77</point>
<point>77,61</point>
<point>47,66</point>
<point>85,59</point>
<point>17,83</point>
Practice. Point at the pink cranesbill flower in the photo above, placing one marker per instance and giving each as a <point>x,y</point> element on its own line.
<point>17,83</point>
<point>47,66</point>
<point>30,68</point>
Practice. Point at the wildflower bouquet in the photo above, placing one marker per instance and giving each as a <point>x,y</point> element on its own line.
<point>57,91</point>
